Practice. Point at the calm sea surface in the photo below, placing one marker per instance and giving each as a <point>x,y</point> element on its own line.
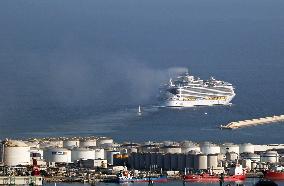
<point>79,68</point>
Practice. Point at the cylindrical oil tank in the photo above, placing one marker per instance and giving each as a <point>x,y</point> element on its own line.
<point>167,162</point>
<point>221,157</point>
<point>174,162</point>
<point>253,164</point>
<point>209,148</point>
<point>168,143</point>
<point>82,153</point>
<point>32,144</point>
<point>212,160</point>
<point>232,156</point>
<point>109,156</point>
<point>172,149</point>
<point>200,161</point>
<point>88,142</point>
<point>269,156</point>
<point>99,153</point>
<point>251,156</point>
<point>247,147</point>
<point>246,163</point>
<point>187,146</point>
<point>131,150</point>
<point>189,161</point>
<point>70,143</point>
<point>51,143</point>
<point>36,153</point>
<point>58,155</point>
<point>104,141</point>
<point>181,162</point>
<point>150,148</point>
<point>16,153</point>
<point>229,147</point>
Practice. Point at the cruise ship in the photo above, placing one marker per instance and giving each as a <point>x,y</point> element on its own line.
<point>188,91</point>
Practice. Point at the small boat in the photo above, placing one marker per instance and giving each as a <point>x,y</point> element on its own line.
<point>139,111</point>
<point>126,177</point>
<point>276,173</point>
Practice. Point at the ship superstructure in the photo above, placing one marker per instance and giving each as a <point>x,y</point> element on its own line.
<point>187,91</point>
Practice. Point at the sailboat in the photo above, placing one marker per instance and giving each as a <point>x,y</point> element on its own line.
<point>139,111</point>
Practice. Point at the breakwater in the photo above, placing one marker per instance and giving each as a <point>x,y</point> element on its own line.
<point>253,122</point>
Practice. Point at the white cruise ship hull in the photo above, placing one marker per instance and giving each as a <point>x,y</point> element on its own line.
<point>193,103</point>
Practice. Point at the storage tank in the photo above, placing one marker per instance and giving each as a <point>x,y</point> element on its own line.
<point>269,156</point>
<point>189,161</point>
<point>88,142</point>
<point>200,161</point>
<point>36,153</point>
<point>99,153</point>
<point>187,146</point>
<point>50,143</point>
<point>212,160</point>
<point>246,163</point>
<point>253,164</point>
<point>232,156</point>
<point>109,156</point>
<point>16,153</point>
<point>209,148</point>
<point>247,147</point>
<point>229,147</point>
<point>131,150</point>
<point>251,156</point>
<point>57,155</point>
<point>174,161</point>
<point>103,141</point>
<point>82,153</point>
<point>172,149</point>
<point>221,157</point>
<point>70,143</point>
<point>181,162</point>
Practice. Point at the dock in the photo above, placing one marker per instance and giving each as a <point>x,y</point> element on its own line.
<point>253,122</point>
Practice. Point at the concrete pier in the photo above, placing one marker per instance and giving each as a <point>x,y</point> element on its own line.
<point>253,122</point>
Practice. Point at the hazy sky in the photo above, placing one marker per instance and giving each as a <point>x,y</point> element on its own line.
<point>71,52</point>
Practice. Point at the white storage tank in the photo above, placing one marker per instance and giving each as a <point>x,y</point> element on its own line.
<point>50,143</point>
<point>251,156</point>
<point>109,156</point>
<point>247,147</point>
<point>172,149</point>
<point>82,153</point>
<point>221,157</point>
<point>131,150</point>
<point>200,161</point>
<point>212,160</point>
<point>230,147</point>
<point>209,148</point>
<point>246,163</point>
<point>70,143</point>
<point>187,146</point>
<point>269,156</point>
<point>16,153</point>
<point>58,155</point>
<point>36,153</point>
<point>232,156</point>
<point>99,153</point>
<point>104,141</point>
<point>88,142</point>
